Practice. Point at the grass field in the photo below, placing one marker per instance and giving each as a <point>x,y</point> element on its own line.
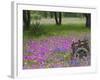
<point>68,20</point>
<point>55,30</point>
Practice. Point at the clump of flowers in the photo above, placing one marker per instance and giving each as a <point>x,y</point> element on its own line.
<point>49,53</point>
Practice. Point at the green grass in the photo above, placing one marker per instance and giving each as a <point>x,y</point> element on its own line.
<point>48,30</point>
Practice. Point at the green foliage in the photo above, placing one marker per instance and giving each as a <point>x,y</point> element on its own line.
<point>49,14</point>
<point>35,26</point>
<point>68,14</point>
<point>36,29</point>
<point>36,17</point>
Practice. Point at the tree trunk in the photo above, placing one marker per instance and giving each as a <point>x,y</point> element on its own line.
<point>58,18</point>
<point>88,20</point>
<point>26,19</point>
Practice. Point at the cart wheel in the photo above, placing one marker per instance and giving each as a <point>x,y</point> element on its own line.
<point>81,52</point>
